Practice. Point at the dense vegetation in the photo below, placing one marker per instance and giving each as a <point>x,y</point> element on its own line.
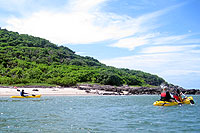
<point>25,59</point>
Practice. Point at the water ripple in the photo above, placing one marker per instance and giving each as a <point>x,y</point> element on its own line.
<point>96,114</point>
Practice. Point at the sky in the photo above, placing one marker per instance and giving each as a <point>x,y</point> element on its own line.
<point>160,37</point>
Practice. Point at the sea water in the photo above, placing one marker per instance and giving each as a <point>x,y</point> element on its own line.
<point>96,114</point>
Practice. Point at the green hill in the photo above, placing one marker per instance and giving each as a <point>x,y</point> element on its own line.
<point>25,59</point>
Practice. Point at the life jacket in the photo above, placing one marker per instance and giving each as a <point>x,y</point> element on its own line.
<point>178,98</point>
<point>163,94</point>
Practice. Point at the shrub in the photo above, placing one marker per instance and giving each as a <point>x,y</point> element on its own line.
<point>65,81</point>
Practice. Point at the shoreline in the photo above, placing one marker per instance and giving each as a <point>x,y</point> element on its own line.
<point>86,90</point>
<point>7,92</point>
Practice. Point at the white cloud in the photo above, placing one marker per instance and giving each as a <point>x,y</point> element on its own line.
<point>170,39</point>
<point>164,64</point>
<point>157,39</point>
<point>82,22</point>
<point>165,49</point>
<point>196,51</point>
<point>178,72</point>
<point>58,27</point>
<point>145,62</point>
<point>132,42</point>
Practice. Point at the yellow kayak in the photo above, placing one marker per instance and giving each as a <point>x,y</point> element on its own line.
<point>36,96</point>
<point>188,100</point>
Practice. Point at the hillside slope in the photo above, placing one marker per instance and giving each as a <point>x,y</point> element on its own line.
<point>25,59</point>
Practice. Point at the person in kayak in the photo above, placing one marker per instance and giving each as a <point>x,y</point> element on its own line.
<point>178,96</point>
<point>22,93</point>
<point>165,96</point>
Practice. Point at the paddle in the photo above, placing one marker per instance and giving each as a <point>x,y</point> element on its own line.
<point>16,88</point>
<point>191,102</point>
<point>180,104</point>
<point>30,94</point>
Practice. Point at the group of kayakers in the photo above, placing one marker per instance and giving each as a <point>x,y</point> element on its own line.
<point>176,95</point>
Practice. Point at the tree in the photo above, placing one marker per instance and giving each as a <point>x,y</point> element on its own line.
<point>108,78</point>
<point>29,59</point>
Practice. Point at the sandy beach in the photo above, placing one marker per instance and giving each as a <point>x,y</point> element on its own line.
<point>46,92</point>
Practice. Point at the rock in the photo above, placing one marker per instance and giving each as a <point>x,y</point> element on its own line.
<point>191,91</point>
<point>197,92</point>
<point>130,90</point>
<point>87,91</point>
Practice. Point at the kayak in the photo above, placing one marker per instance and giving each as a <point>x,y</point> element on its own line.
<point>188,100</point>
<point>36,96</point>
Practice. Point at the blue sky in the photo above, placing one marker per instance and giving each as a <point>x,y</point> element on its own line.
<point>161,37</point>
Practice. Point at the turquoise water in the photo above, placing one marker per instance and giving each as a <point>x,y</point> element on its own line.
<point>96,114</point>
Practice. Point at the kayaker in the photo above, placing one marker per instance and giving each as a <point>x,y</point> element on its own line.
<point>22,93</point>
<point>178,96</point>
<point>165,96</point>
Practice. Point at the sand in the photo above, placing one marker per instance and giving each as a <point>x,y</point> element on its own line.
<point>46,92</point>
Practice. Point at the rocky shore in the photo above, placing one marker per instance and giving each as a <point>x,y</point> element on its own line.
<point>89,90</point>
<point>127,90</point>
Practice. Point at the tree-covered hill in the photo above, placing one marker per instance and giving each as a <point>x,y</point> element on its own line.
<point>25,59</point>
